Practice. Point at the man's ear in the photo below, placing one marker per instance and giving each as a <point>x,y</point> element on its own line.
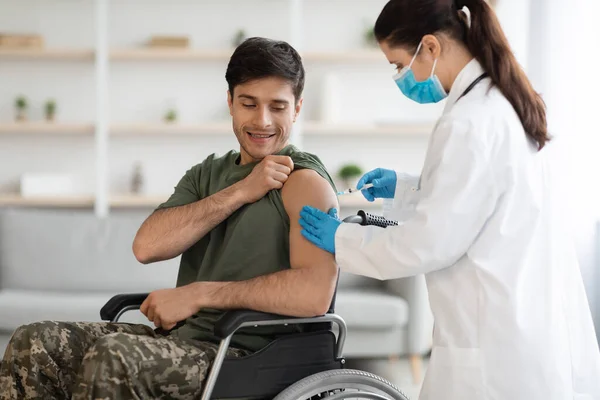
<point>230,103</point>
<point>298,108</point>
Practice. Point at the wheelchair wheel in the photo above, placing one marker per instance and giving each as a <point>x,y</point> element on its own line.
<point>342,384</point>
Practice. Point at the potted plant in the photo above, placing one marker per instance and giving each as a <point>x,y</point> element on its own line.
<point>240,36</point>
<point>369,36</point>
<point>171,116</point>
<point>50,108</point>
<point>349,174</point>
<point>21,108</point>
<point>137,179</point>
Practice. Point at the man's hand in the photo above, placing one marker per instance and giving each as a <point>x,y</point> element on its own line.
<point>166,307</point>
<point>271,173</point>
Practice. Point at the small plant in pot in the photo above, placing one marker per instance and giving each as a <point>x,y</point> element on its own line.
<point>369,37</point>
<point>171,116</point>
<point>239,37</point>
<point>50,108</point>
<point>21,108</point>
<point>350,174</point>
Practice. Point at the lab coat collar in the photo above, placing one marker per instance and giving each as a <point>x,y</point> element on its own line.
<point>465,77</point>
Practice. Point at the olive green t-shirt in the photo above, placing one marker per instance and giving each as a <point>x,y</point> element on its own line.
<point>252,241</point>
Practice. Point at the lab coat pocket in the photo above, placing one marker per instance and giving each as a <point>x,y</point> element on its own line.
<point>454,374</point>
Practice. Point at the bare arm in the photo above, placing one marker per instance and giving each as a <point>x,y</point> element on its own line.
<point>169,232</point>
<point>304,290</point>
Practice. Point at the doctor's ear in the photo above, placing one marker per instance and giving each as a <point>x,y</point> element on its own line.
<point>432,46</point>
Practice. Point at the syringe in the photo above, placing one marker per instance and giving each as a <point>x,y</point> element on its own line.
<point>354,190</point>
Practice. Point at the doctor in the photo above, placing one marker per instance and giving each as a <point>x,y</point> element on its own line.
<point>511,316</point>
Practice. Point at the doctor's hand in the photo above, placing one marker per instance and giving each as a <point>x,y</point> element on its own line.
<point>319,228</point>
<point>384,184</point>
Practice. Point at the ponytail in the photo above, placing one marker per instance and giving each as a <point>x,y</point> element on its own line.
<point>487,42</point>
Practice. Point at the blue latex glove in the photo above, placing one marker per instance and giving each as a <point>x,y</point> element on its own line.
<point>320,227</point>
<point>384,184</point>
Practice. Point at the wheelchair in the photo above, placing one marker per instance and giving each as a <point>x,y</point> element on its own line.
<point>307,365</point>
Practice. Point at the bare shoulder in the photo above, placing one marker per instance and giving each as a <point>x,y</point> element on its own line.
<point>307,187</point>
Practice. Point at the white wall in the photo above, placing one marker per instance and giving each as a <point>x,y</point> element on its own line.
<point>141,91</point>
<point>570,29</point>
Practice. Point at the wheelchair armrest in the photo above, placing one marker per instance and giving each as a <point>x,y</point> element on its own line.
<point>232,320</point>
<point>117,303</point>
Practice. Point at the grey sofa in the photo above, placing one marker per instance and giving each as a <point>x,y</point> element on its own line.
<point>64,265</point>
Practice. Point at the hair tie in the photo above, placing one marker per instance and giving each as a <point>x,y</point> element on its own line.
<point>465,11</point>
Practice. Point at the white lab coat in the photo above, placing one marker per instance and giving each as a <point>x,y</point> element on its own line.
<point>512,319</point>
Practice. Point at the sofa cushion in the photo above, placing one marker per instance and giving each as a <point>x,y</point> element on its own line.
<point>20,307</point>
<point>352,281</point>
<point>75,251</point>
<point>371,309</point>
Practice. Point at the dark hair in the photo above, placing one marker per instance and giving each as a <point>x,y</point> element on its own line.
<point>403,23</point>
<point>258,58</point>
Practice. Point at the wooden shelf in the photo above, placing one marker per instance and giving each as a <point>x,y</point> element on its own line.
<point>175,54</point>
<point>216,128</point>
<point>46,127</point>
<point>358,55</point>
<point>155,54</point>
<point>318,128</point>
<point>46,201</point>
<point>132,200</point>
<point>310,128</point>
<point>47,54</point>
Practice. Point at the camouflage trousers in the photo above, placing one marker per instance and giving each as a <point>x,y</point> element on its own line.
<point>81,360</point>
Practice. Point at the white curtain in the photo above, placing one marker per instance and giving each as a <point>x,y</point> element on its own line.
<point>562,61</point>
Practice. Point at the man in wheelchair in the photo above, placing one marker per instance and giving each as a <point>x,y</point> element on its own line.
<point>234,221</point>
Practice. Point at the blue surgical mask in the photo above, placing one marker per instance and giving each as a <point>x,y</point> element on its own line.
<point>428,91</point>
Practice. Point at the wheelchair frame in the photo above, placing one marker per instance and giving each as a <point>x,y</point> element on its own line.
<point>233,320</point>
<point>227,325</point>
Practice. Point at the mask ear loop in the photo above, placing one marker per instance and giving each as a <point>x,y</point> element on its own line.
<point>433,68</point>
<point>415,56</point>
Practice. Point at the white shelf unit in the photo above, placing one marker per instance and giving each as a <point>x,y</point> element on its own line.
<point>166,54</point>
<point>47,201</point>
<point>124,201</point>
<point>155,54</point>
<point>215,128</point>
<point>137,201</point>
<point>46,128</point>
<point>309,128</point>
<point>102,58</point>
<point>47,54</point>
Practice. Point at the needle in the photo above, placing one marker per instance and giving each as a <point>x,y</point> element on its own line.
<point>353,190</point>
